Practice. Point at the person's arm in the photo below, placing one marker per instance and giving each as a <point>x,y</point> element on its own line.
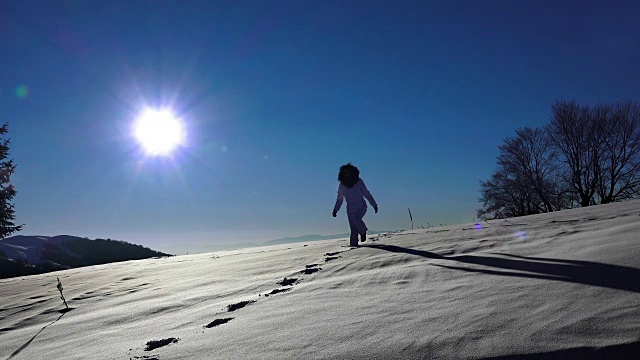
<point>368,195</point>
<point>339,200</point>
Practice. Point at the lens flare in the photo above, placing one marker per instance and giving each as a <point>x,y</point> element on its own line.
<point>521,235</point>
<point>22,92</point>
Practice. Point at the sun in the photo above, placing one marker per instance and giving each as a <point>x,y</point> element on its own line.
<point>159,131</point>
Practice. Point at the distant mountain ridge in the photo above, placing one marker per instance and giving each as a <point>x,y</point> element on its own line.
<point>27,255</point>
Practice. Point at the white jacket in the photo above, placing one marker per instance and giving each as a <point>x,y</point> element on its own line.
<point>355,197</point>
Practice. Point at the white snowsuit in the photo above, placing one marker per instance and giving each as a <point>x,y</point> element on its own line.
<point>356,207</point>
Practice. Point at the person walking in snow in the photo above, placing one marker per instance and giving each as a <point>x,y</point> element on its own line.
<point>353,189</point>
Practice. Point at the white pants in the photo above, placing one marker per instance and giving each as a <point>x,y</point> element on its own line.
<point>358,227</point>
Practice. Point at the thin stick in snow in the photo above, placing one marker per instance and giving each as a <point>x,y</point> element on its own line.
<point>410,217</point>
<point>62,296</point>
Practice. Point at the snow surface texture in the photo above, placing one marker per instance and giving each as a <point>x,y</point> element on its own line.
<point>556,285</point>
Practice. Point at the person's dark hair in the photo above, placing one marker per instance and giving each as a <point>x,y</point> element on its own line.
<point>348,175</point>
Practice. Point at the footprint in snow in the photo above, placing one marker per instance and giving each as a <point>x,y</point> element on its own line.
<point>310,269</point>
<point>217,322</point>
<point>240,305</point>
<point>154,344</point>
<point>277,291</point>
<point>287,281</point>
<point>146,357</point>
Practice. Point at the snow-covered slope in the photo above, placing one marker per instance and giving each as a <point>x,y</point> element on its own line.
<point>560,285</point>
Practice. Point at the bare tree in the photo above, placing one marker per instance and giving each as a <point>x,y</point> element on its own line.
<point>573,132</point>
<point>529,155</point>
<point>618,165</point>
<point>525,181</point>
<point>505,195</point>
<point>583,156</point>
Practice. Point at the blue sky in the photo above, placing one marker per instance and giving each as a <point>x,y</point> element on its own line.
<point>276,95</point>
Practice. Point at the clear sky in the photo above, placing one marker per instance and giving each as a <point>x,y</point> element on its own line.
<point>275,96</point>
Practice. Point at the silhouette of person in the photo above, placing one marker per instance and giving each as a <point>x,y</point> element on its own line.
<point>353,189</point>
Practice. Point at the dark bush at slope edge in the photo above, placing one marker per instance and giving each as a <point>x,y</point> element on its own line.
<point>103,251</point>
<point>76,253</point>
<point>18,267</point>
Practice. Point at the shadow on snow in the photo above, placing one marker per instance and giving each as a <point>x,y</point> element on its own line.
<point>620,351</point>
<point>575,271</point>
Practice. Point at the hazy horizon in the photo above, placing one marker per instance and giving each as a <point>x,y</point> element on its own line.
<point>182,245</point>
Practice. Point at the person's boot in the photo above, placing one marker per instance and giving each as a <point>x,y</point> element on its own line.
<point>363,237</point>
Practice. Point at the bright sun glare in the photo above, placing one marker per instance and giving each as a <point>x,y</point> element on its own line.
<point>159,131</point>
